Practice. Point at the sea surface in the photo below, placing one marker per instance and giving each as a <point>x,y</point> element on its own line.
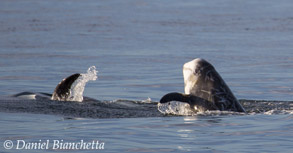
<point>139,48</point>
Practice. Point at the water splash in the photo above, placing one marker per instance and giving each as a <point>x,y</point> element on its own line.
<point>279,112</point>
<point>252,107</point>
<point>175,108</point>
<point>148,100</point>
<point>77,88</point>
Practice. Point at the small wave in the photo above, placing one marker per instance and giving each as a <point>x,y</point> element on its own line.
<point>148,100</point>
<point>252,107</point>
<point>89,108</point>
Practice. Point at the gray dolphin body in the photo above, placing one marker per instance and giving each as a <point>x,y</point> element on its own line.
<point>204,89</point>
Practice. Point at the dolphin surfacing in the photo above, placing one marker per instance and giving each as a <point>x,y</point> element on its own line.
<point>69,89</point>
<point>204,89</point>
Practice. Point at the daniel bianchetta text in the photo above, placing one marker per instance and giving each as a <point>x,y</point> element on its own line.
<point>54,144</point>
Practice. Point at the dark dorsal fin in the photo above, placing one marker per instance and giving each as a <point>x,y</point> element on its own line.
<point>175,96</point>
<point>62,90</point>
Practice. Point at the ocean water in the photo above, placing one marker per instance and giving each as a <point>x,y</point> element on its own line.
<point>139,48</point>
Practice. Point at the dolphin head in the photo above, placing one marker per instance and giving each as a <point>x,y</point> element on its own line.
<point>195,73</point>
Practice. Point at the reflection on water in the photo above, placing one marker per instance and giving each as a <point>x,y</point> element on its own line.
<point>200,133</point>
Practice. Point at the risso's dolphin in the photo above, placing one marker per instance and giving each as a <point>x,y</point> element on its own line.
<point>69,89</point>
<point>204,89</point>
<point>62,91</point>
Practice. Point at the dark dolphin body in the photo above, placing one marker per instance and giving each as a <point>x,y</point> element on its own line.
<point>61,93</point>
<point>69,89</point>
<point>204,89</point>
<point>62,90</point>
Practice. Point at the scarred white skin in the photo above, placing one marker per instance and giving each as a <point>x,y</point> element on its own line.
<point>190,79</point>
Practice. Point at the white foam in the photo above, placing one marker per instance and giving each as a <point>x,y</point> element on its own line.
<point>175,108</point>
<point>77,88</point>
<point>283,112</point>
<point>148,100</point>
<point>183,109</point>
